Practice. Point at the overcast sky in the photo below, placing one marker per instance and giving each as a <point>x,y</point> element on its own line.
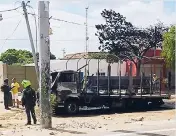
<point>72,37</point>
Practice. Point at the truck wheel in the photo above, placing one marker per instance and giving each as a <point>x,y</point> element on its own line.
<point>71,107</point>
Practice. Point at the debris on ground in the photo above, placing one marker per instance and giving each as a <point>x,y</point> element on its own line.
<point>138,119</point>
<point>15,119</point>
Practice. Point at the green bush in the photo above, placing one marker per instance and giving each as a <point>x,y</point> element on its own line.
<point>53,101</point>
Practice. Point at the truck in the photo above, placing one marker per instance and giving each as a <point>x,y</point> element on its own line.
<point>72,91</point>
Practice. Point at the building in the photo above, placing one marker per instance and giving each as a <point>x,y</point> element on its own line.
<point>76,61</point>
<point>75,64</point>
<point>154,63</point>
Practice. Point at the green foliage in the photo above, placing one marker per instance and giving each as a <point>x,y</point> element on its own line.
<point>13,56</point>
<point>110,58</point>
<point>53,102</point>
<point>122,38</point>
<point>52,56</point>
<point>168,51</point>
<point>98,55</point>
<point>53,99</point>
<point>18,57</point>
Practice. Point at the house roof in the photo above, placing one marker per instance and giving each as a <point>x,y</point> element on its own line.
<point>79,55</point>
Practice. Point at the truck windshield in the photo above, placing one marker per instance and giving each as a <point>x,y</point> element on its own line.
<point>67,77</point>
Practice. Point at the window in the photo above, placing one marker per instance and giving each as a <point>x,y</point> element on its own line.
<point>101,74</point>
<point>67,77</point>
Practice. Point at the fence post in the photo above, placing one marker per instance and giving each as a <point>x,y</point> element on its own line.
<point>130,87</point>
<point>151,77</point>
<point>98,78</point>
<point>109,75</point>
<point>141,82</point>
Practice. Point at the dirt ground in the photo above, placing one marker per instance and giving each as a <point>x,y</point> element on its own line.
<point>12,122</point>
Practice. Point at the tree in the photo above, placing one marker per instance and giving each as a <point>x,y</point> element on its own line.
<point>13,56</point>
<point>121,38</point>
<point>110,58</point>
<point>168,51</point>
<point>20,57</point>
<point>52,56</point>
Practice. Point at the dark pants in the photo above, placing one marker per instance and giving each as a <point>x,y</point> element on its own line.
<point>6,101</point>
<point>30,111</point>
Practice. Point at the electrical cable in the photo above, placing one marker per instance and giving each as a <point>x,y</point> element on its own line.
<point>66,21</point>
<point>61,20</point>
<point>11,34</point>
<point>10,9</point>
<point>75,23</point>
<point>24,39</point>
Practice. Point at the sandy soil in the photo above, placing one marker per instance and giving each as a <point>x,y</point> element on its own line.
<point>12,122</point>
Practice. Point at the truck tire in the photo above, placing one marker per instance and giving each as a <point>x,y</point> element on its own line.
<point>71,107</point>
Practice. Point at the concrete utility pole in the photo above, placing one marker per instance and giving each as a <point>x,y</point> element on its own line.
<point>44,62</point>
<point>31,39</point>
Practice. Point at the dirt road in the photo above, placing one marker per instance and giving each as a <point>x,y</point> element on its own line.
<point>13,122</point>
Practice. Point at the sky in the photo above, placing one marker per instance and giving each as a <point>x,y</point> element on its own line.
<point>71,37</point>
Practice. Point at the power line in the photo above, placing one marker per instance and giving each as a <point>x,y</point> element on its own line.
<point>66,21</point>
<point>61,20</point>
<point>56,19</point>
<point>11,34</point>
<point>75,23</point>
<point>7,10</point>
<point>25,39</point>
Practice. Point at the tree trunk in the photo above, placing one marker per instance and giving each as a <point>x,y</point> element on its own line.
<point>138,68</point>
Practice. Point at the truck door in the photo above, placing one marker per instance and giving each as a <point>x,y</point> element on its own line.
<point>90,94</point>
<point>67,82</point>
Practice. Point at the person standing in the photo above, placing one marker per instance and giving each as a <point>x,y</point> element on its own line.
<point>15,89</point>
<point>155,82</point>
<point>5,88</point>
<point>29,101</point>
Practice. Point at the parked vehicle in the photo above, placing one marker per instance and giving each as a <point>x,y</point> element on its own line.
<point>100,91</point>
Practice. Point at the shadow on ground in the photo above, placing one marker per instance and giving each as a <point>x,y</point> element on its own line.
<point>67,131</point>
<point>106,111</point>
<point>140,134</point>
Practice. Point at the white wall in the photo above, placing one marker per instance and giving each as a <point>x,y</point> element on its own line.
<point>93,66</point>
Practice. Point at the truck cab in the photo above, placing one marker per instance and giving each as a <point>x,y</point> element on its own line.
<point>70,92</point>
<point>65,81</point>
<point>66,85</point>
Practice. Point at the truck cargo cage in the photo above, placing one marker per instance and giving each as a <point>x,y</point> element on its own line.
<point>120,85</point>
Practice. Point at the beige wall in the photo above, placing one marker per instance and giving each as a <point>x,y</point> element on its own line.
<point>1,73</point>
<point>31,75</point>
<point>19,72</point>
